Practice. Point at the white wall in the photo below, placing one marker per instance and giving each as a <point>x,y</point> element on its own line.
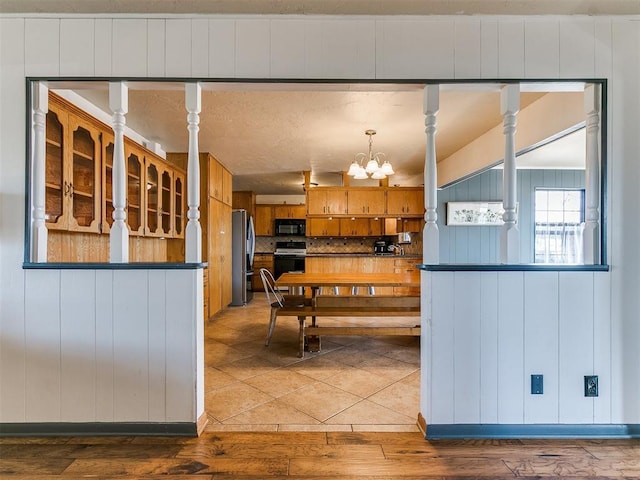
<point>455,47</point>
<point>488,332</point>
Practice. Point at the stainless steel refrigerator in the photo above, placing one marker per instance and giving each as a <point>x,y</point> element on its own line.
<point>242,249</point>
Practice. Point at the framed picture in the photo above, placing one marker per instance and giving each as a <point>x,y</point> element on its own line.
<point>474,213</point>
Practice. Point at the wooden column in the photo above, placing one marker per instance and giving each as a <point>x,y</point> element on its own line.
<point>591,234</point>
<point>39,232</point>
<point>431,234</point>
<point>193,233</point>
<point>509,235</point>
<point>119,234</point>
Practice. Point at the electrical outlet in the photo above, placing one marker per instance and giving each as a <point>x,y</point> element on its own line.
<point>537,385</point>
<point>590,385</point>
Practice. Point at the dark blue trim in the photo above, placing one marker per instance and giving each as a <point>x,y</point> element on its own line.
<point>101,429</point>
<point>113,266</point>
<point>516,267</point>
<point>533,431</point>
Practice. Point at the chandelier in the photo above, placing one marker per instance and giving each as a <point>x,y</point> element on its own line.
<point>360,170</point>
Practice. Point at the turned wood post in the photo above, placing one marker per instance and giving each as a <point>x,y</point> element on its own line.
<point>431,235</point>
<point>193,232</point>
<point>119,234</point>
<point>509,235</point>
<point>591,234</point>
<point>39,232</point>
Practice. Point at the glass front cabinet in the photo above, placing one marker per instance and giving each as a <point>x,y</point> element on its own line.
<point>79,179</point>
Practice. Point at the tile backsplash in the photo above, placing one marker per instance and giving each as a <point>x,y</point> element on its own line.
<point>337,245</point>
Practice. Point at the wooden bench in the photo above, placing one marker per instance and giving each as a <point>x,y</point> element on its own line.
<point>346,306</point>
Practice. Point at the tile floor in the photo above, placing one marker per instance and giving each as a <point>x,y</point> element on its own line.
<point>352,384</point>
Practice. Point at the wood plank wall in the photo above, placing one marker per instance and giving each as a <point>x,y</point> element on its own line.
<point>381,48</point>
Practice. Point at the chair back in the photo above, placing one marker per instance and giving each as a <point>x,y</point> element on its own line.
<point>273,295</point>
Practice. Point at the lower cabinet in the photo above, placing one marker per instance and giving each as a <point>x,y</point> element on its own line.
<point>260,261</point>
<point>369,264</point>
<point>218,255</point>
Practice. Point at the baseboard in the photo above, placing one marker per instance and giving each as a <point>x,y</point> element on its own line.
<point>422,424</point>
<point>203,420</point>
<point>98,429</point>
<point>443,431</point>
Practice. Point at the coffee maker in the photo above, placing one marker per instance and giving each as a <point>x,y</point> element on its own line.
<point>380,247</point>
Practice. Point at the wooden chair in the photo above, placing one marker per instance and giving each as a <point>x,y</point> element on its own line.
<point>277,300</point>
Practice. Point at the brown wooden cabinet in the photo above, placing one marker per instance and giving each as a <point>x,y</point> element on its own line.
<point>405,201</point>
<point>262,260</point>
<point>246,201</point>
<point>72,171</point>
<point>264,220</point>
<point>360,227</point>
<point>323,227</point>
<point>290,211</point>
<point>365,201</point>
<point>326,201</point>
<point>215,220</point>
<point>397,225</point>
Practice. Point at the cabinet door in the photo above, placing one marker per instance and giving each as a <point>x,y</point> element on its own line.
<point>376,227</point>
<point>56,185</point>
<point>290,211</point>
<point>316,202</point>
<point>215,252</point>
<point>405,201</point>
<point>365,202</point>
<point>179,205</point>
<point>322,201</point>
<point>135,182</point>
<point>354,227</point>
<point>264,220</point>
<point>215,179</point>
<point>85,176</point>
<point>336,202</point>
<point>166,208</point>
<point>323,227</point>
<point>225,248</point>
<point>227,186</point>
<point>107,182</point>
<point>152,200</point>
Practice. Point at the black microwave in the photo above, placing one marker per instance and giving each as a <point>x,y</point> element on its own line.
<point>290,227</point>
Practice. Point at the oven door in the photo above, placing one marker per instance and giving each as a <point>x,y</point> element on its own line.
<point>287,263</point>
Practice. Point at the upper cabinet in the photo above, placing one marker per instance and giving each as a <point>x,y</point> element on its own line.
<point>220,182</point>
<point>264,220</point>
<point>327,201</point>
<point>73,171</point>
<point>405,201</point>
<point>290,211</point>
<point>365,201</point>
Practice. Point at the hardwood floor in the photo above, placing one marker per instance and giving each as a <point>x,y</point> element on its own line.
<point>313,455</point>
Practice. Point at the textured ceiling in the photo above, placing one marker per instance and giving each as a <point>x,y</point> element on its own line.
<point>268,134</point>
<point>329,7</point>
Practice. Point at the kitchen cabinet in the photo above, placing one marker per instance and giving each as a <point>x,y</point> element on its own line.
<point>263,222</point>
<point>351,264</point>
<point>134,162</point>
<point>72,171</point>
<point>365,201</point>
<point>323,227</point>
<point>360,227</point>
<point>261,260</point>
<point>215,220</point>
<point>244,201</point>
<point>397,225</point>
<point>326,201</point>
<point>220,182</point>
<point>290,211</point>
<point>405,201</point>
<point>402,265</point>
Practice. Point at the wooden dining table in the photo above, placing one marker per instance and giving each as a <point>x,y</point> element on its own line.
<point>349,305</point>
<point>317,280</point>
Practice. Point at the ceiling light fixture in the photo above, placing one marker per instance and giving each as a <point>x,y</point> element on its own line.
<point>360,170</point>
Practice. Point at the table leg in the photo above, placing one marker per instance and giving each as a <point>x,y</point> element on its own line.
<point>301,337</point>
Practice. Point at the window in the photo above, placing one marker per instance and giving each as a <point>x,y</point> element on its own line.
<point>559,217</point>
